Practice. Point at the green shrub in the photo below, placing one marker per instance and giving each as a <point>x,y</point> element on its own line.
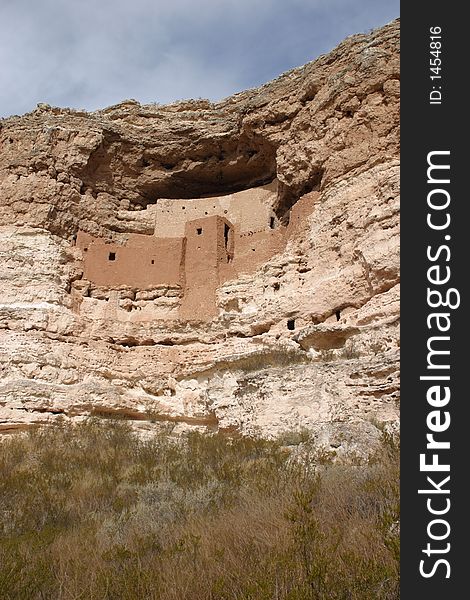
<point>93,511</point>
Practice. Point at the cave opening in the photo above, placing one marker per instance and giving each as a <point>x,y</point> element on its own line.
<point>219,167</point>
<point>288,195</point>
<point>223,167</point>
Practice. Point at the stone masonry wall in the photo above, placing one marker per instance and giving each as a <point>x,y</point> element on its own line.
<point>143,262</point>
<point>250,209</point>
<point>208,251</point>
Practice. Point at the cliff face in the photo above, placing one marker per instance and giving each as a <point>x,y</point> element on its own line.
<point>304,336</point>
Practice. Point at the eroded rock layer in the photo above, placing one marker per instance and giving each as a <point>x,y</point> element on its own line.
<point>277,307</point>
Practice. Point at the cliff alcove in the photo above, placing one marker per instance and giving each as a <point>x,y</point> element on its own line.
<point>154,258</point>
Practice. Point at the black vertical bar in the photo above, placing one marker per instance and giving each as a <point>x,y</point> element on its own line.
<point>434,118</point>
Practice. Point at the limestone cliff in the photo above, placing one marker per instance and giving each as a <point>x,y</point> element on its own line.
<point>289,321</point>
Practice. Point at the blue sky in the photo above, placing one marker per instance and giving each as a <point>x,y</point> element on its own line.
<point>93,53</point>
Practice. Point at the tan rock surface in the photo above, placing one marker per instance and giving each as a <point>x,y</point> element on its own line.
<point>71,347</point>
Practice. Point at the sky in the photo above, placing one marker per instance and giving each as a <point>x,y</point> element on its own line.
<point>89,54</point>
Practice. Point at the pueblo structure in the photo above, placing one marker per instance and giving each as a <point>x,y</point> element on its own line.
<point>229,266</point>
<point>198,244</point>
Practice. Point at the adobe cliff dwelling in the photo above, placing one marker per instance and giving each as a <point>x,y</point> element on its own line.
<point>197,245</point>
<point>229,266</point>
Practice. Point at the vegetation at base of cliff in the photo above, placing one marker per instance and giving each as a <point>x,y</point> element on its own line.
<point>95,512</point>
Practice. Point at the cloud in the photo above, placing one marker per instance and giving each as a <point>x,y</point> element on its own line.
<point>88,54</point>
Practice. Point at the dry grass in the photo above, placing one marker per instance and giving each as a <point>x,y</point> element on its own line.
<point>93,512</point>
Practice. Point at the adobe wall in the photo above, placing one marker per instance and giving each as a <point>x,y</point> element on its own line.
<point>299,213</point>
<point>209,251</point>
<point>249,210</point>
<point>145,261</point>
<point>253,249</point>
<point>209,245</point>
